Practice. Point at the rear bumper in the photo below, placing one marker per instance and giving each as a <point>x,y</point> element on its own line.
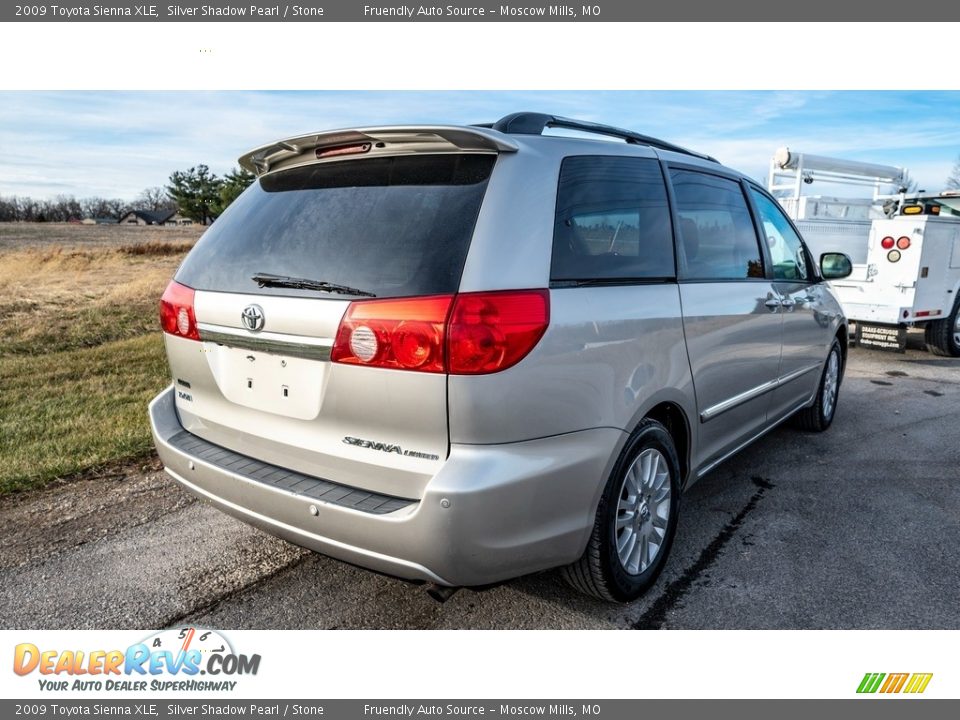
<point>861,302</point>
<point>879,314</point>
<point>491,513</point>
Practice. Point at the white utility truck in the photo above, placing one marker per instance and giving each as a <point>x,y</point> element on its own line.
<point>905,247</point>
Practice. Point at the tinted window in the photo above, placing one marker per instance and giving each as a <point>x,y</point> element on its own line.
<point>394,226</point>
<point>612,221</point>
<point>786,249</point>
<point>717,237</point>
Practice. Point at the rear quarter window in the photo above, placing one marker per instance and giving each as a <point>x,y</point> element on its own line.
<point>395,226</point>
<point>612,221</point>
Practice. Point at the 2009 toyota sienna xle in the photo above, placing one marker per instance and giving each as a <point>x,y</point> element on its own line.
<point>462,354</point>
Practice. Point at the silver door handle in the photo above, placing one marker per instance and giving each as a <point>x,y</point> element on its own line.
<point>788,302</point>
<point>773,303</point>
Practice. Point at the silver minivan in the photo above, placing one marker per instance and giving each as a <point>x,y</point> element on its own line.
<point>461,354</point>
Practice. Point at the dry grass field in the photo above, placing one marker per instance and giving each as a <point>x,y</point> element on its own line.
<point>81,354</point>
<point>20,236</point>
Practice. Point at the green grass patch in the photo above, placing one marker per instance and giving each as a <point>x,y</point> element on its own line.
<point>65,412</point>
<point>72,327</point>
<point>82,354</point>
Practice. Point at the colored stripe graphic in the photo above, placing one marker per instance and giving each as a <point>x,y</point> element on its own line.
<point>918,682</point>
<point>894,683</point>
<point>870,682</point>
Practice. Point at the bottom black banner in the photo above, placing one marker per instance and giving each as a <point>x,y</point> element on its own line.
<point>873,707</point>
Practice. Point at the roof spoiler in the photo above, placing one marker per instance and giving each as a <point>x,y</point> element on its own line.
<point>393,140</point>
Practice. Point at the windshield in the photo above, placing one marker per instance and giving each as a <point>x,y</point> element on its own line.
<point>395,227</point>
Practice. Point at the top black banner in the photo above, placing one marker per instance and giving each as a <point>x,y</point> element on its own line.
<point>358,11</point>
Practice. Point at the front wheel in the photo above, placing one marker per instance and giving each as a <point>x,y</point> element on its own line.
<point>819,416</point>
<point>635,522</point>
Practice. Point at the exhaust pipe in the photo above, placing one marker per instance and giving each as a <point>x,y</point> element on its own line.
<point>441,593</point>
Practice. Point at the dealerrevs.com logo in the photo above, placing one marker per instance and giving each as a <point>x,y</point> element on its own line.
<point>181,659</point>
<point>892,683</point>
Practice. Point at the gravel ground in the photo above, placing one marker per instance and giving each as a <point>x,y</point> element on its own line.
<point>855,528</point>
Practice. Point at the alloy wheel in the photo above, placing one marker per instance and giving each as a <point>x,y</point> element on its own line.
<point>643,511</point>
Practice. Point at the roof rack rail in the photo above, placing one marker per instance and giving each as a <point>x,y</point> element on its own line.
<point>531,123</point>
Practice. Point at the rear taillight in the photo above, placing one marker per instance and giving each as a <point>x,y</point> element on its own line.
<point>406,334</point>
<point>489,332</point>
<point>903,243</point>
<point>176,311</point>
<point>887,243</point>
<point>466,334</point>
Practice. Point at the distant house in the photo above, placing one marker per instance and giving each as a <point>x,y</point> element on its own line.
<point>147,217</point>
<point>159,217</point>
<point>178,219</point>
<point>98,221</point>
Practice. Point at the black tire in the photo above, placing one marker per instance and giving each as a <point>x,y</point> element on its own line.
<point>819,416</point>
<point>941,335</point>
<point>600,572</point>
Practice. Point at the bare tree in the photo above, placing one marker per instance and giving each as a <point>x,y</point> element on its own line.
<point>154,199</point>
<point>94,207</point>
<point>953,179</point>
<point>98,207</point>
<point>118,208</point>
<point>65,208</point>
<point>29,209</point>
<point>9,209</point>
<point>908,184</point>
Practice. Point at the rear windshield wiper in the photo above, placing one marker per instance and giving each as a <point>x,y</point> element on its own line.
<point>285,281</point>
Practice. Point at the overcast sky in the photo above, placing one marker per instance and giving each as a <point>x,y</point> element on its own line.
<point>114,144</point>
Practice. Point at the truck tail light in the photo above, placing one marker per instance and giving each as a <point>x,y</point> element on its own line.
<point>903,243</point>
<point>465,334</point>
<point>176,311</point>
<point>887,243</point>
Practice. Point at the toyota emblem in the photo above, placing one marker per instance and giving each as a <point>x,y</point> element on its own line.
<point>252,317</point>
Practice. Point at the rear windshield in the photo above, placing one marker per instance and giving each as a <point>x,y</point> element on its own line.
<point>395,227</point>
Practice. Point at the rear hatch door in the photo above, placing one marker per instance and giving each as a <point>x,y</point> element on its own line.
<point>260,382</point>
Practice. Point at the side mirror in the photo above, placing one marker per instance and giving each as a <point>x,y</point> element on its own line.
<point>835,266</point>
